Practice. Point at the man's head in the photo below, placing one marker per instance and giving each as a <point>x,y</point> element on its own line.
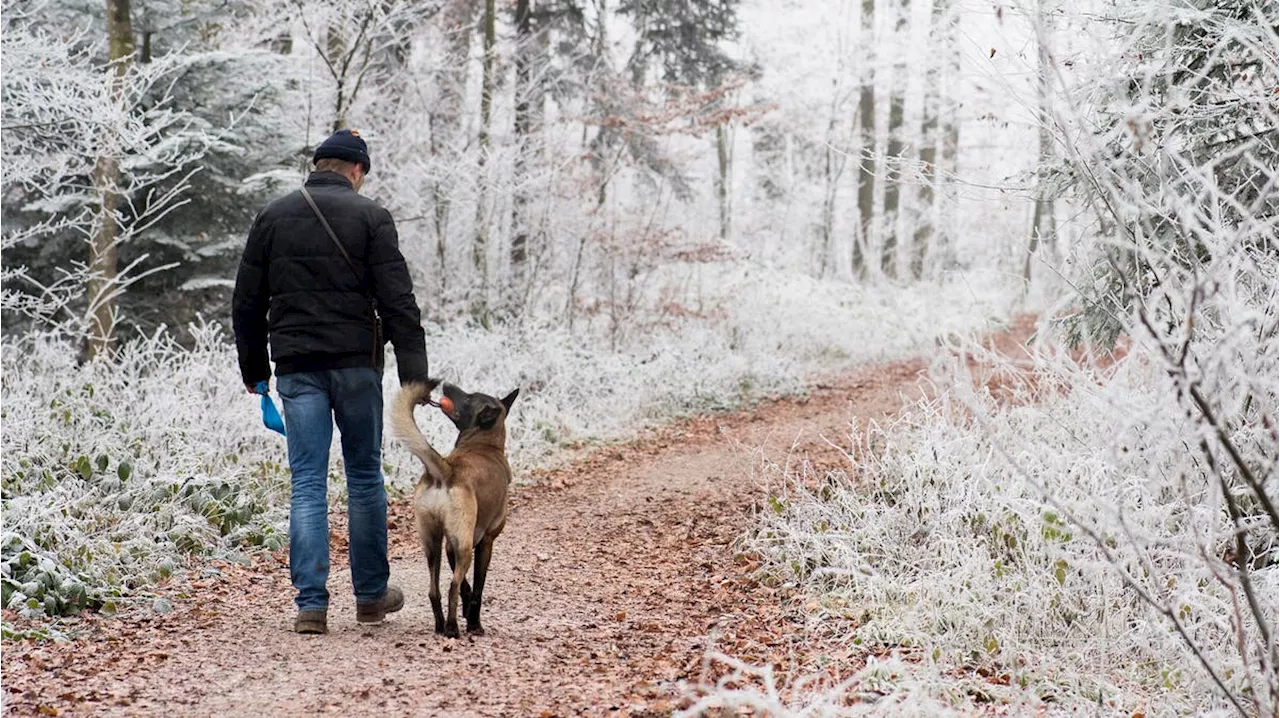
<point>346,153</point>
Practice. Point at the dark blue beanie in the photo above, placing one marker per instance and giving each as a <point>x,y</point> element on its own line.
<point>344,145</point>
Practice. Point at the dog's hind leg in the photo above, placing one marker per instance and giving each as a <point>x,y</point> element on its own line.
<point>431,546</point>
<point>484,551</point>
<point>462,556</point>
<point>465,591</point>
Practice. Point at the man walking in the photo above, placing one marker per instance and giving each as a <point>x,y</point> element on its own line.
<point>322,278</point>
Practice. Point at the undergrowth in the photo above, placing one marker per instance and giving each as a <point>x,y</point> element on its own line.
<point>115,473</point>
<point>991,547</point>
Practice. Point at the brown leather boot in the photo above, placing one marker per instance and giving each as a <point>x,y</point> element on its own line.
<point>391,601</point>
<point>311,622</point>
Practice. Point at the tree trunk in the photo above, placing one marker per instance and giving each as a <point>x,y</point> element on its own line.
<point>600,147</point>
<point>445,118</point>
<point>103,257</point>
<point>1043,223</point>
<point>889,251</point>
<point>722,179</point>
<point>863,242</point>
<point>480,249</point>
<point>896,153</point>
<point>921,250</point>
<point>833,170</point>
<point>345,40</point>
<point>336,46</point>
<point>524,55</point>
<point>945,173</point>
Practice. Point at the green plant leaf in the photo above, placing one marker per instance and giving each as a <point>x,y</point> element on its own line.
<point>1060,571</point>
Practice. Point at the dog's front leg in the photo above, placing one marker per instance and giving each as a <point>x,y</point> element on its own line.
<point>471,609</point>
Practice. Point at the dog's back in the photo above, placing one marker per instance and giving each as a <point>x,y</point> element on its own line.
<point>476,466</point>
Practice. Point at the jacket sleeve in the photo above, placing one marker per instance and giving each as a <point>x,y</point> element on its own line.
<point>393,289</point>
<point>249,307</point>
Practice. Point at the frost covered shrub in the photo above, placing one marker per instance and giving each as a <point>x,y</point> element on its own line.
<point>35,583</point>
<point>1028,552</point>
<point>942,546</point>
<point>762,333</point>
<point>113,472</point>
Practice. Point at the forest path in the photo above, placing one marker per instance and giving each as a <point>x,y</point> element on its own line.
<point>614,576</point>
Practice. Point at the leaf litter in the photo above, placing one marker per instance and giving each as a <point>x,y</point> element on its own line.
<point>616,576</point>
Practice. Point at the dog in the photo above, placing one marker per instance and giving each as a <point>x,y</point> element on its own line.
<point>461,499</point>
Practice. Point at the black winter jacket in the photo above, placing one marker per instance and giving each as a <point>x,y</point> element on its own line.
<point>295,287</point>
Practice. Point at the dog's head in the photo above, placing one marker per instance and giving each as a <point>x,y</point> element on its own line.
<point>479,412</point>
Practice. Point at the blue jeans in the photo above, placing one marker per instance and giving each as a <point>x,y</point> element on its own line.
<point>312,402</point>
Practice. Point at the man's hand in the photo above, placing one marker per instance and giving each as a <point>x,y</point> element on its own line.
<point>250,388</point>
<point>431,386</point>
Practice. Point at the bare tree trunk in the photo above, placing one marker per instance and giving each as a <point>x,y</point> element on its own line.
<point>949,140</point>
<point>722,180</point>
<point>602,145</point>
<point>889,250</point>
<point>519,202</point>
<point>833,170</point>
<point>104,265</point>
<point>480,249</point>
<point>599,149</point>
<point>343,43</point>
<point>446,117</point>
<point>863,243</point>
<point>921,243</point>
<point>1043,223</point>
<point>336,45</point>
<point>897,151</point>
<point>920,246</point>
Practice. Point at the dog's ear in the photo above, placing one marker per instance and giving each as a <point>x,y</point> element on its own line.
<point>487,417</point>
<point>510,399</point>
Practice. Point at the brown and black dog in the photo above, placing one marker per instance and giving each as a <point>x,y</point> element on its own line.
<point>461,499</point>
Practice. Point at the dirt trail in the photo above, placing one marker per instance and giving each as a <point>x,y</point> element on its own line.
<point>610,582</point>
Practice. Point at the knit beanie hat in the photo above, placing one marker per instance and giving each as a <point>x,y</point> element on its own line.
<point>344,145</point>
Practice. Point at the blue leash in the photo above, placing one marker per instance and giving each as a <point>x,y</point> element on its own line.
<point>270,417</point>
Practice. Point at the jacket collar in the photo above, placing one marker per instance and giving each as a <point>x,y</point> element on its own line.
<point>328,178</point>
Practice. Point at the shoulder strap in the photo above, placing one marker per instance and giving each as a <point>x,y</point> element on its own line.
<point>332,235</point>
<point>373,304</point>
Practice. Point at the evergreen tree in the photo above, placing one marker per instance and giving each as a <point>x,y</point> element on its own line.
<point>683,39</point>
<point>191,89</point>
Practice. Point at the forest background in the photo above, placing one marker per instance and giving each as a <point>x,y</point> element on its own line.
<point>641,209</point>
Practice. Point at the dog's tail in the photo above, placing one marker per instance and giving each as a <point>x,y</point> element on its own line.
<point>406,429</point>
